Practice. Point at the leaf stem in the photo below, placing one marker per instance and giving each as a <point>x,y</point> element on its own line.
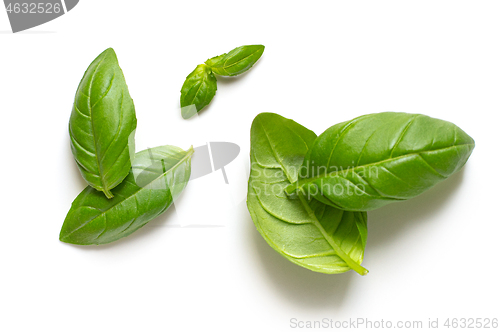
<point>291,188</point>
<point>108,193</point>
<point>352,264</point>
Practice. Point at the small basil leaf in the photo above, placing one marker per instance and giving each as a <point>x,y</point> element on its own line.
<point>237,61</point>
<point>306,232</point>
<point>376,159</point>
<point>156,179</point>
<point>102,124</point>
<point>197,91</point>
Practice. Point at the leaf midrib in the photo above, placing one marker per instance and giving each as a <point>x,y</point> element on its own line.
<point>274,153</point>
<point>301,182</point>
<point>92,121</point>
<point>235,63</point>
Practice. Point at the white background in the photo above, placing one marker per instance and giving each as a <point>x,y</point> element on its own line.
<point>435,256</point>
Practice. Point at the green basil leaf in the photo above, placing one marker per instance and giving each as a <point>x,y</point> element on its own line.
<point>156,179</point>
<point>237,61</point>
<point>306,232</point>
<point>376,159</point>
<point>197,91</point>
<point>102,124</point>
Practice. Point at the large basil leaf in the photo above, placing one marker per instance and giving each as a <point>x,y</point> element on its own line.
<point>102,124</point>
<point>157,177</point>
<point>306,232</point>
<point>376,159</point>
<point>197,91</point>
<point>237,61</point>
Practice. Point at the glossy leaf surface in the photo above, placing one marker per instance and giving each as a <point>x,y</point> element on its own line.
<point>237,61</point>
<point>102,124</point>
<point>157,177</point>
<point>197,91</point>
<point>306,232</point>
<point>376,159</point>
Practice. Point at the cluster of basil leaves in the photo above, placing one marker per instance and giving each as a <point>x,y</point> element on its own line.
<point>126,189</point>
<point>200,86</point>
<point>308,196</point>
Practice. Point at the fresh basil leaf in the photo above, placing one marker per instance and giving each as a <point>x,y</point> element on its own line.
<point>102,124</point>
<point>197,91</point>
<point>237,61</point>
<point>306,232</point>
<point>156,179</point>
<point>376,159</point>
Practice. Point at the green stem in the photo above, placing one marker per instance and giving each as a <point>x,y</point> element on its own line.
<point>291,188</point>
<point>352,264</point>
<point>108,193</point>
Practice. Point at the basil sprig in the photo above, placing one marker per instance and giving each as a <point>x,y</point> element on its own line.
<point>308,195</point>
<point>200,86</point>
<point>308,233</point>
<point>143,184</point>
